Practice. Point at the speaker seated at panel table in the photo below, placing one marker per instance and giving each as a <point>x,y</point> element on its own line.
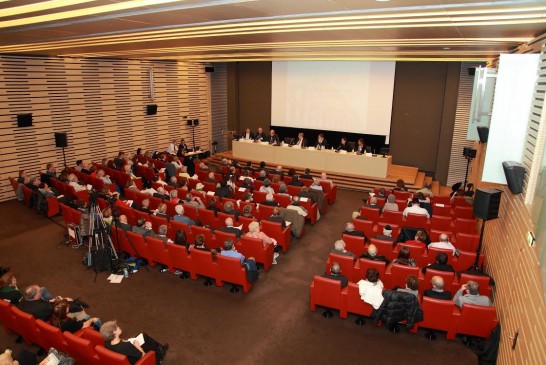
<point>514,172</point>
<point>487,203</point>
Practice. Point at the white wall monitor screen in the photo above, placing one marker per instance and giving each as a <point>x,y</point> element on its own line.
<point>347,96</point>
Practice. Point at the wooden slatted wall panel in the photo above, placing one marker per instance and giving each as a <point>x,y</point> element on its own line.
<point>219,106</point>
<point>536,133</point>
<point>518,294</point>
<point>457,163</point>
<point>101,104</point>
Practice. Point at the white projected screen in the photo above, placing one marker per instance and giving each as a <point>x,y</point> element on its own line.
<point>347,96</point>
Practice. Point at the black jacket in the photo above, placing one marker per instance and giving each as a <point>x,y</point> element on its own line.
<point>398,306</point>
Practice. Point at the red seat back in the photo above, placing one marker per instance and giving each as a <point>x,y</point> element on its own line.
<point>468,242</point>
<point>6,316</point>
<point>208,218</point>
<point>325,292</point>
<point>158,221</point>
<point>365,264</point>
<point>232,272</point>
<point>416,220</point>
<point>355,304</point>
<point>465,212</point>
<point>346,263</point>
<point>395,228</point>
<point>81,349</point>
<point>448,277</point>
<point>159,252</point>
<point>439,315</point>
<point>435,235</point>
<point>432,252</point>
<point>203,263</point>
<point>265,211</point>
<point>354,244</point>
<point>482,280</point>
<point>468,226</point>
<point>440,223</point>
<point>384,248</point>
<point>274,230</point>
<point>180,258</point>
<point>110,357</point>
<point>401,195</point>
<point>364,226</point>
<point>371,214</point>
<point>254,247</point>
<point>477,320</point>
<point>443,210</point>
<point>140,246</point>
<point>392,217</point>
<point>399,273</point>
<point>50,336</point>
<point>25,325</point>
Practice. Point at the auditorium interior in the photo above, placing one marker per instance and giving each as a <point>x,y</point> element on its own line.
<point>409,77</point>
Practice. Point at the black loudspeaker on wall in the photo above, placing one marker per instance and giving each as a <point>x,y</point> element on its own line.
<point>487,203</point>
<point>24,120</point>
<point>61,139</point>
<point>151,109</point>
<point>483,133</point>
<point>514,172</point>
<point>469,152</point>
<point>209,69</point>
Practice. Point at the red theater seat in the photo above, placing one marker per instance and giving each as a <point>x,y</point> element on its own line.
<point>384,248</point>
<point>468,226</point>
<point>416,220</point>
<point>468,242</point>
<point>141,247</point>
<point>391,217</point>
<point>440,223</point>
<point>159,252</point>
<point>476,320</point>
<point>347,264</point>
<point>265,211</point>
<point>274,230</point>
<point>254,247</point>
<point>448,276</point>
<point>365,264</point>
<point>81,349</point>
<point>210,240</point>
<point>158,221</point>
<point>370,214</point>
<point>6,316</point>
<point>326,293</point>
<point>482,280</point>
<point>354,244</point>
<point>50,336</point>
<point>352,303</point>
<point>25,325</point>
<point>208,218</point>
<point>113,358</point>
<point>181,259</point>
<point>441,315</point>
<point>465,212</point>
<point>232,272</point>
<point>396,275</point>
<point>204,265</point>
<point>364,226</point>
<point>395,228</point>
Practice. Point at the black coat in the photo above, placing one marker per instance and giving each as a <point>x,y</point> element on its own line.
<point>398,306</point>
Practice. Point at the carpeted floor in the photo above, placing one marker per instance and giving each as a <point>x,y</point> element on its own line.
<point>204,325</point>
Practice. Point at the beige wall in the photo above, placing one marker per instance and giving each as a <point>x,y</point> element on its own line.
<point>514,265</point>
<point>100,103</point>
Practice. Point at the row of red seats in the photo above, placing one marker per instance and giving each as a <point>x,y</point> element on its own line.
<point>438,199</point>
<point>85,346</point>
<point>97,183</point>
<point>441,315</point>
<point>52,203</point>
<point>394,274</point>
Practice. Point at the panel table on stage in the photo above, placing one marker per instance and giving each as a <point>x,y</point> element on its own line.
<point>319,160</point>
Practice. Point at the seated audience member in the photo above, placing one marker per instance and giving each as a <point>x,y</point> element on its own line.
<point>321,144</point>
<point>38,302</point>
<point>111,332</point>
<point>387,234</point>
<point>415,208</point>
<point>46,191</point>
<point>443,244</point>
<point>373,204</point>
<point>316,185</point>
<point>391,205</point>
<point>51,172</point>
<point>128,169</point>
<point>291,172</point>
<point>180,239</point>
<point>131,185</point>
<point>184,172</point>
<point>382,193</point>
<point>324,178</point>
<point>229,250</point>
<point>229,208</point>
<point>161,211</point>
<point>356,215</point>
<point>120,160</point>
<point>335,274</point>
<point>469,293</point>
<point>212,206</point>
<point>266,187</point>
<point>360,147</point>
<point>254,232</point>
<point>174,196</point>
<point>440,264</point>
<point>343,146</point>
<point>295,181</point>
<point>247,184</point>
<point>276,217</point>
<point>194,201</point>
<point>73,181</point>
<point>426,190</point>
<point>61,319</point>
<point>229,228</point>
<point>171,149</point>
<point>400,185</point>
<point>371,288</point>
<point>108,217</point>
<point>350,230</point>
<point>162,234</point>
<point>180,217</point>
<point>8,289</point>
<point>173,181</point>
<point>295,205</point>
<point>306,174</point>
<point>269,200</point>
<point>305,193</point>
<point>262,175</point>
<point>123,224</point>
<point>22,176</point>
<point>105,178</point>
<point>283,189</point>
<point>143,228</point>
<point>223,190</point>
<point>437,291</point>
<point>339,249</point>
<point>404,258</point>
<point>161,193</point>
<point>247,212</point>
<point>371,254</point>
<point>260,135</point>
<point>420,240</point>
<point>143,207</point>
<point>247,197</point>
<point>273,137</point>
<point>199,244</point>
<point>412,285</point>
<point>211,178</point>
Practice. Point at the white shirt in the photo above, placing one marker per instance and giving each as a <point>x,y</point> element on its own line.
<point>415,209</point>
<point>171,149</point>
<point>371,293</point>
<point>443,245</point>
<point>267,189</point>
<point>77,186</point>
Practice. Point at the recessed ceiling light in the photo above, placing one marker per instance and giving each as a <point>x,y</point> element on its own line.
<point>446,48</point>
<point>382,1</point>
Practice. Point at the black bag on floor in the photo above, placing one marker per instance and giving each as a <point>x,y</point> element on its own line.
<point>100,259</point>
<point>252,273</point>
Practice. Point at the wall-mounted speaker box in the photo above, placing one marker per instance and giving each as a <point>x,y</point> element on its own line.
<point>514,172</point>
<point>487,203</point>
<point>24,120</point>
<point>151,109</point>
<point>471,71</point>
<point>209,69</point>
<point>194,122</point>
<point>483,133</point>
<point>469,152</point>
<point>61,139</point>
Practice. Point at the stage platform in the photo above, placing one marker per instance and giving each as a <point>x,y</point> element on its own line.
<point>413,178</point>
